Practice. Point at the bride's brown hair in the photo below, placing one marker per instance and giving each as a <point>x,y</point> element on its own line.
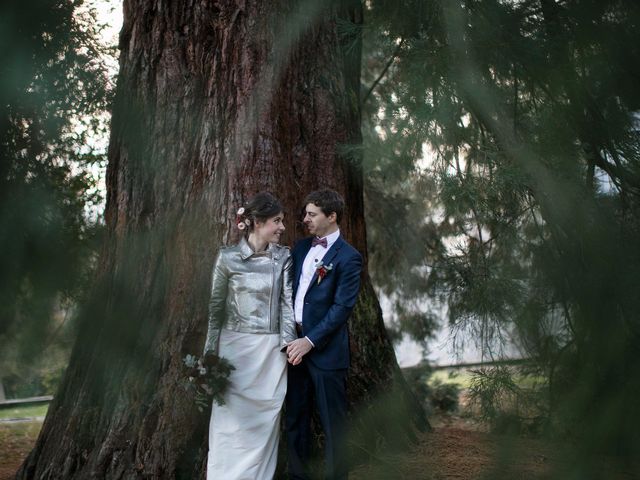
<point>261,207</point>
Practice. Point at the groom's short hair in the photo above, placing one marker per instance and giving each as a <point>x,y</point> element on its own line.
<point>328,201</point>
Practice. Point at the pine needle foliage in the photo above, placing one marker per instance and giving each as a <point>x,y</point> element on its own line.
<point>503,187</point>
<point>54,95</point>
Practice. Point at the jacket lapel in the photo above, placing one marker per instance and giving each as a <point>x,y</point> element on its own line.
<point>326,260</point>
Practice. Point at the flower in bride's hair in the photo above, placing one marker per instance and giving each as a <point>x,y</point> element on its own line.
<point>241,221</point>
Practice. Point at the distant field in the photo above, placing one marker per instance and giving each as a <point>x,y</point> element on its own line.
<point>463,376</point>
<point>24,412</point>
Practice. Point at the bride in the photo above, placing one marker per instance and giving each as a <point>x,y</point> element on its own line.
<point>250,322</point>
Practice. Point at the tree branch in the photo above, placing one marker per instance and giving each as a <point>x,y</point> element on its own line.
<point>384,71</point>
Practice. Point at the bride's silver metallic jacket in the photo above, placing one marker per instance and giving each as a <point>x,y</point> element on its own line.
<point>251,293</point>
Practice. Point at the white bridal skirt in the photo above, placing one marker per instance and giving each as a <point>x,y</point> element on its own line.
<point>244,432</point>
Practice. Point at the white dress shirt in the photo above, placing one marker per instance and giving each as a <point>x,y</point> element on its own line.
<point>315,255</point>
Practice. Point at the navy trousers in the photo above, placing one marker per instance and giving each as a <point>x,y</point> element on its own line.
<point>310,386</point>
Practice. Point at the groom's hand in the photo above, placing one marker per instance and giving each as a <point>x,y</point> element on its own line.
<point>298,349</point>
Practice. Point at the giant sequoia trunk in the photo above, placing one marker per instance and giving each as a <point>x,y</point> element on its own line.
<point>215,101</point>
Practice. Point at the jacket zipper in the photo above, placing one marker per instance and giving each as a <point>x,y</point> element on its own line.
<point>272,328</point>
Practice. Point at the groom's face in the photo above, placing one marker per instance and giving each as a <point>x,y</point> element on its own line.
<point>317,222</point>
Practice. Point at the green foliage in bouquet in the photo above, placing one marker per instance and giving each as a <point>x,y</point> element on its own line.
<point>207,381</point>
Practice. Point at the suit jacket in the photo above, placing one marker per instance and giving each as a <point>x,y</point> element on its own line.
<point>328,304</point>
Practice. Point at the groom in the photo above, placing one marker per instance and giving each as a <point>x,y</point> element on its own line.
<point>325,287</point>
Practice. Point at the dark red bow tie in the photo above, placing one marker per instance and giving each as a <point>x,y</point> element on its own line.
<point>319,241</point>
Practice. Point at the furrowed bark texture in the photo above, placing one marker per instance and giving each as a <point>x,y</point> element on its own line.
<point>215,101</point>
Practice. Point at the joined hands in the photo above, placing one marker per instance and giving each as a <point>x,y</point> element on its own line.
<point>298,349</point>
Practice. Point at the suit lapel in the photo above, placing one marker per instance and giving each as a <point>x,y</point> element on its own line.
<point>326,260</point>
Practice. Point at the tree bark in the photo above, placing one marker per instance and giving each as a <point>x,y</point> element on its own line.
<point>215,101</point>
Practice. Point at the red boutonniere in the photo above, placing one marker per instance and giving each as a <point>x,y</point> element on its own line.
<point>323,270</point>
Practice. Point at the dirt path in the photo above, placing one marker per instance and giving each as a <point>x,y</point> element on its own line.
<point>16,441</point>
<point>459,450</point>
<point>456,450</point>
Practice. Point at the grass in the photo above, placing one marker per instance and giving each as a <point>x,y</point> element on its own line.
<point>24,412</point>
<point>17,432</point>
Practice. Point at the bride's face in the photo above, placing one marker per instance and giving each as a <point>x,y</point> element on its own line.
<point>271,229</point>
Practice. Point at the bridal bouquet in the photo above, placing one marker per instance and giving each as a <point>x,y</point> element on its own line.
<point>207,380</point>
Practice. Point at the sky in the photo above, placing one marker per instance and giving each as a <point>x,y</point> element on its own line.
<point>110,14</point>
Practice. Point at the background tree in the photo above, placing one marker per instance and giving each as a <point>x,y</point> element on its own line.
<point>505,138</point>
<point>54,92</point>
<point>214,102</point>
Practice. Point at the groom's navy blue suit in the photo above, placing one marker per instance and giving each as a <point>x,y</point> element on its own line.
<point>320,379</point>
